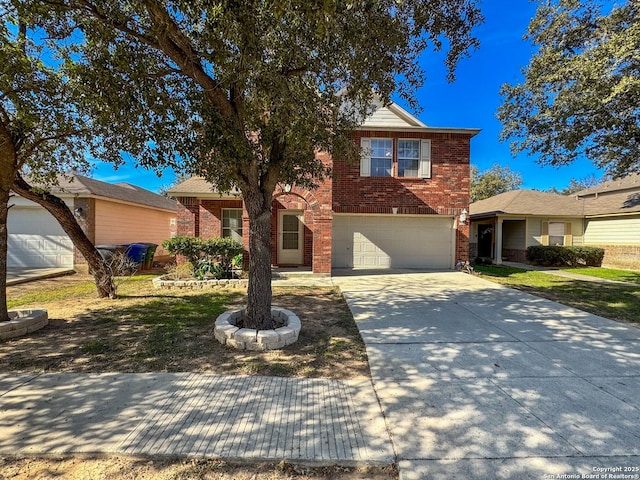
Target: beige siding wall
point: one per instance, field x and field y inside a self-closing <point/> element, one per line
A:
<point x="117" y="223"/>
<point x="613" y="231"/>
<point x="383" y="117"/>
<point x="534" y="227"/>
<point x="513" y="233"/>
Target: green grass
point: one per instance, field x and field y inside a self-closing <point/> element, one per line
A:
<point x="608" y="273"/>
<point x="81" y="290"/>
<point x="617" y="302"/>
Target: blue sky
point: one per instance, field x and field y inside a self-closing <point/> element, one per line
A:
<point x="470" y="102"/>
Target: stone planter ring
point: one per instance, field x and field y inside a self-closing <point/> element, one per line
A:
<point x="227" y="333"/>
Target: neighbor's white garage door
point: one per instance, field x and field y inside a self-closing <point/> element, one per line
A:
<point x="391" y="241"/>
<point x="36" y="240"/>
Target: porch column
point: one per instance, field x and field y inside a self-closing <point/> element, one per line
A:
<point x="498" y="253"/>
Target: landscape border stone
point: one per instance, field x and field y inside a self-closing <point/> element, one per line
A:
<point x="168" y="283"/>
<point x="227" y="333"/>
<point x="23" y="322"/>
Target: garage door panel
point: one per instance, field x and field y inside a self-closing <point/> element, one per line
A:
<point x="392" y="242"/>
<point x="36" y="240"/>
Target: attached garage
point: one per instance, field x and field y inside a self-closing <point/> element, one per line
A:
<point x="36" y="240"/>
<point x="392" y="241"/>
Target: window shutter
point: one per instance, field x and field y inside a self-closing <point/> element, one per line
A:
<point x="544" y="237"/>
<point x="365" y="157"/>
<point x="568" y="238"/>
<point x="425" y="158"/>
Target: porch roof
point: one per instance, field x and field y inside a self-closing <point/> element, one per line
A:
<point x="198" y="187"/>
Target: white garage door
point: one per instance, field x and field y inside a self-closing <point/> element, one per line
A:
<point x="36" y="240"/>
<point x="392" y="241"/>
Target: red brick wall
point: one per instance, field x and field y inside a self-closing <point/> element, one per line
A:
<point x="202" y="218"/>
<point x="445" y="193"/>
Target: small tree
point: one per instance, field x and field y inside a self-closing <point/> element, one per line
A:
<point x="497" y="179"/>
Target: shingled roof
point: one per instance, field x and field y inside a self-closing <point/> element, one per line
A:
<point x="199" y="187"/>
<point x="614" y="197"/>
<point x="85" y="186"/>
<point x="528" y="202"/>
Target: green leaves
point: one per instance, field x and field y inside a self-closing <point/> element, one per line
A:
<point x="581" y="90"/>
<point x="497" y="179"/>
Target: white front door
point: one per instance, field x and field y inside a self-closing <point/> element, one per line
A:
<point x="290" y="237"/>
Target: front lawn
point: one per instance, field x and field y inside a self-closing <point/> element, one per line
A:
<point x="152" y="330"/>
<point x="608" y="273"/>
<point x="617" y="302"/>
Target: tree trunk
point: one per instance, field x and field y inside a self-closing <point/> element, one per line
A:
<point x="258" y="314"/>
<point x="100" y="270"/>
<point x="4" y="211"/>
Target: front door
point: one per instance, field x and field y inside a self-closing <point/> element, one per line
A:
<point x="485" y="240"/>
<point x="290" y="237"/>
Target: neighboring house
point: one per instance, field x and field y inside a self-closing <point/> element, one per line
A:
<point x="607" y="216"/>
<point x="108" y="213"/>
<point x="399" y="207"/>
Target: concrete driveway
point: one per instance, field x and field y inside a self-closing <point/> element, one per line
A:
<point x="478" y="381"/>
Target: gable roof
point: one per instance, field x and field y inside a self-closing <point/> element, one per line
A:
<point x="528" y="202"/>
<point x="394" y="117"/>
<point x="630" y="182"/>
<point x="615" y="197"/>
<point x="85" y="186"/>
<point x="200" y="187"/>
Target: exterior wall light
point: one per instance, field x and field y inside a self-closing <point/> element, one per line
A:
<point x="463" y="216"/>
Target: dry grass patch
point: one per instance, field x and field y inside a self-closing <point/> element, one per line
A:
<point x="150" y="330"/>
<point x="127" y="468"/>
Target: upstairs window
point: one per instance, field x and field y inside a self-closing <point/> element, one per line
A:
<point x="381" y="157"/>
<point x="408" y="158"/>
<point x="402" y="158"/>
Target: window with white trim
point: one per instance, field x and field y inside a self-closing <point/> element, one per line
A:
<point x="381" y="157"/>
<point x="408" y="158"/>
<point x="232" y="223"/>
<point x="402" y="158"/>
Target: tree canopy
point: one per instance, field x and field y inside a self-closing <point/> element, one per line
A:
<point x="581" y="90"/>
<point x="246" y="93"/>
<point x="497" y="179"/>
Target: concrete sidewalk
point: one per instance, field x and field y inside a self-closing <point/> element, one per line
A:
<point x="314" y="421"/>
<point x="16" y="276"/>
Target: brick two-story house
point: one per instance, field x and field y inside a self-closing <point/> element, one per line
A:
<point x="401" y="206"/>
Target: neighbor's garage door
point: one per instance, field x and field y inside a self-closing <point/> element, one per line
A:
<point x="36" y="240"/>
<point x="392" y="241"/>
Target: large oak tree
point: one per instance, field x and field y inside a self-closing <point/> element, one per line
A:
<point x="247" y="92"/>
<point x="581" y="90"/>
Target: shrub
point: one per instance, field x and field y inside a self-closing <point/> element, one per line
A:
<point x="189" y="247"/>
<point x="557" y="256"/>
<point x="212" y="257"/>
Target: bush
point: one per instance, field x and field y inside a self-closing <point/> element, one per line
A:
<point x="210" y="258"/>
<point x="189" y="247"/>
<point x="557" y="256"/>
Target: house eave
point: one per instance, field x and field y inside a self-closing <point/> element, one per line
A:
<point x="205" y="196"/>
<point x="472" y="132"/>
